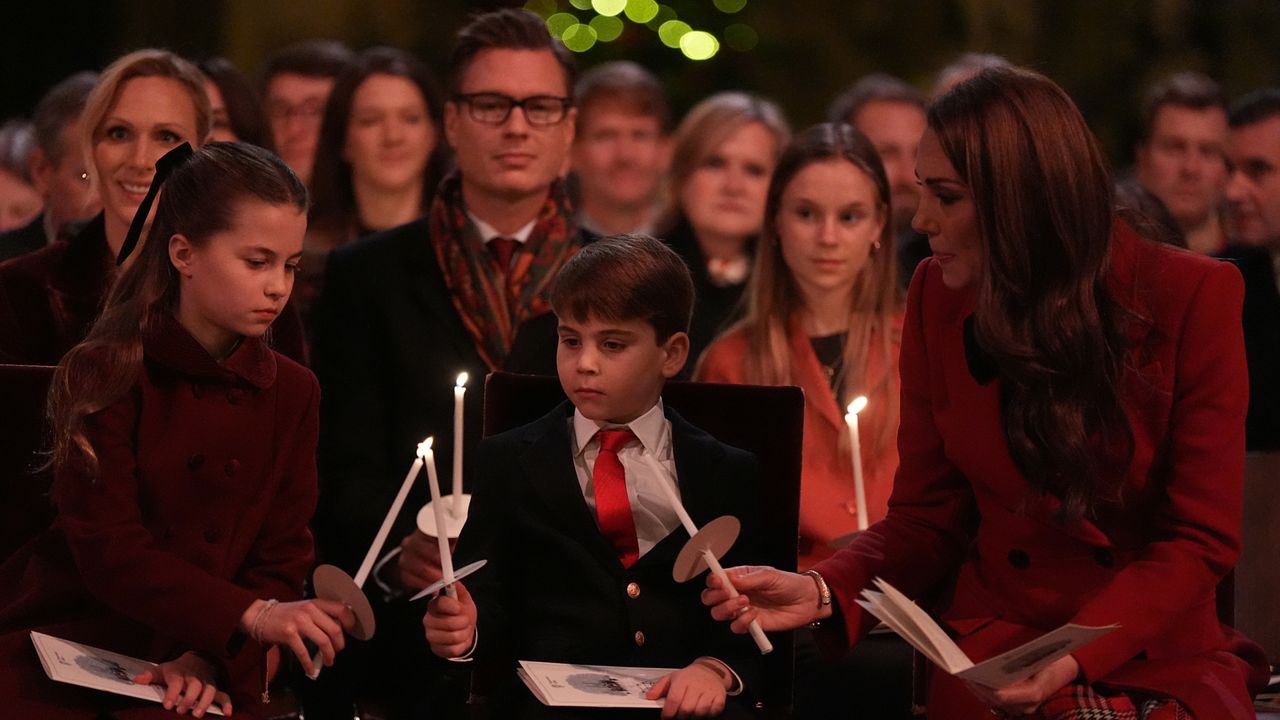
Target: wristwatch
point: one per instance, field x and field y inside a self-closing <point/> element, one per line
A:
<point x="824" y="593"/>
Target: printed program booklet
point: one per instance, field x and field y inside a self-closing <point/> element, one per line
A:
<point x="605" y="686"/>
<point x="70" y="662"/>
<point x="916" y="627"/>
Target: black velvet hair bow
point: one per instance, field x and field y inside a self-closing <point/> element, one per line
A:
<point x="167" y="163"/>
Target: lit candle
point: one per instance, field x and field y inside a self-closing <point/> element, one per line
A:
<point x="367" y="565"/>
<point x="859" y="486"/>
<point x="459" y="390"/>
<point x="442" y="527"/>
<point x="757" y="632"/>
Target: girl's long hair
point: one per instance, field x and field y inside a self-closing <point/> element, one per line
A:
<point x="198" y="200"/>
<point x="772" y="298"/>
<point x="1043" y="195"/>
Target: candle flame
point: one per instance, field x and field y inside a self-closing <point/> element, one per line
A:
<point x="424" y="447"/>
<point x="858" y="405"/>
<point x="462" y="380"/>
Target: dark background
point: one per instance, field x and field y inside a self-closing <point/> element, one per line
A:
<point x="1104" y="52"/>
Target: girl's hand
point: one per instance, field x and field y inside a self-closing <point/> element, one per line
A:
<point x="693" y="691"/>
<point x="189" y="685"/>
<point x="779" y="600"/>
<point x="1025" y="696"/>
<point x="293" y="624"/>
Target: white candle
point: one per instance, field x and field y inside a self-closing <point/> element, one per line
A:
<point x="459" y="391"/>
<point x="859" y="486"/>
<point x="442" y="527"/>
<point x="757" y="632"/>
<point x="371" y="557"/>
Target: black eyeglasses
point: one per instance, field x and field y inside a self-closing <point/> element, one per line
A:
<point x="495" y="108"/>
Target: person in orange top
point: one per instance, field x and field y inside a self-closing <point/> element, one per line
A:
<point x="823" y="312"/>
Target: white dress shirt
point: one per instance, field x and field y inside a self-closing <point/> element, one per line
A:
<point x="489" y="232"/>
<point x="650" y="506"/>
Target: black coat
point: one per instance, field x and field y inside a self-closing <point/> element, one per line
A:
<point x="553" y="589"/>
<point x="388" y="345"/>
<point x="715" y="307"/>
<point x="1262" y="344"/>
<point x="20" y="241"/>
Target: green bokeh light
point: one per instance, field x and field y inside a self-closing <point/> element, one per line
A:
<point x="730" y="6"/>
<point x="581" y="4"/>
<point x="609" y="8"/>
<point x="671" y="31"/>
<point x="699" y="45"/>
<point x="607" y="28"/>
<point x="579" y="38"/>
<point x="664" y="14"/>
<point x="641" y="11"/>
<point x="741" y="37"/>
<point x="558" y="23"/>
<point x="545" y="8"/>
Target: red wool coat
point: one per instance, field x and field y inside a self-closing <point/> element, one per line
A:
<point x="1150" y="564"/>
<point x="828" y="504"/>
<point x="201" y="506"/>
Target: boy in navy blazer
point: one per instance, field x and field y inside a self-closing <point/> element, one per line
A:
<point x="579" y="536"/>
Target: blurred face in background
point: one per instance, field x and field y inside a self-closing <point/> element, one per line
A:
<point x="220" y="121"/>
<point x="895" y="128"/>
<point x="724" y="196"/>
<point x="513" y="158"/>
<point x="150" y="116"/>
<point x="390" y="134"/>
<point x="295" y="107"/>
<point x="64" y="182"/>
<point x="619" y="155"/>
<point x="1253" y="188"/>
<point x="828" y="220"/>
<point x="19" y="201"/>
<point x="1183" y="161"/>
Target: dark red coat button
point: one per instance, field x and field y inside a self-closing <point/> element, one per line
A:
<point x="231" y="468"/>
<point x="1019" y="559"/>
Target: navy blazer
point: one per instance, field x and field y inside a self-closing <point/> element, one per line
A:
<point x="554" y="590"/>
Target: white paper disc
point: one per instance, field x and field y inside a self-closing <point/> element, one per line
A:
<point x="427" y="517"/>
<point x="332" y="583"/>
<point x="717" y="536"/>
<point x="459" y="574"/>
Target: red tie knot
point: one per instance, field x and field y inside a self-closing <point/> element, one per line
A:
<point x="614" y="440"/>
<point x="502" y="249"/>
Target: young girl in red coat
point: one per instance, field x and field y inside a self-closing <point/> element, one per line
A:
<point x="184" y="461"/>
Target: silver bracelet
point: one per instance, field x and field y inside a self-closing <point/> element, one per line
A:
<point x="255" y="631"/>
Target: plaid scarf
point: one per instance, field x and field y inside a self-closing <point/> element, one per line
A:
<point x="1083" y="702"/>
<point x="494" y="301"/>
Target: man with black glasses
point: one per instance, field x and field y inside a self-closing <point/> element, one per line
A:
<point x="403" y="312"/>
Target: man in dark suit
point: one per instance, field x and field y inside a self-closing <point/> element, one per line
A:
<point x="1253" y="199"/>
<point x="571" y="513"/>
<point x="403" y="312"/>
<point x="57" y="168"/>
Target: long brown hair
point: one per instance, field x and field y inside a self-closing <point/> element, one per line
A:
<point x="1043" y="195"/>
<point x="198" y="200"/>
<point x="772" y="298"/>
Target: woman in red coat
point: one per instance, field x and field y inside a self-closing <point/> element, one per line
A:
<point x="184" y="461"/>
<point x="1072" y="432"/>
<point x="823" y="313"/>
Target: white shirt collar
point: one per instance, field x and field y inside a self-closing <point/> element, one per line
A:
<point x="488" y="232"/>
<point x="650" y="428"/>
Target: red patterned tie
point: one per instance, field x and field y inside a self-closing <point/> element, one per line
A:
<point x="613" y="509"/>
<point x="503" y="249"/>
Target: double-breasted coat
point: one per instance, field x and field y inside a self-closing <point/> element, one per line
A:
<point x="207" y="482"/>
<point x="964" y="525"/>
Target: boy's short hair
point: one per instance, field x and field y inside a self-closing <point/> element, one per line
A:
<point x="311" y="58"/>
<point x="627" y="277"/>
<point x="627" y="84"/>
